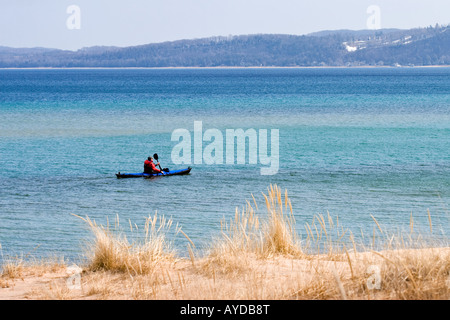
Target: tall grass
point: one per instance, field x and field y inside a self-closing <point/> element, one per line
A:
<point x="111" y="250"/>
<point x="279" y="235"/>
<point x="16" y="267"/>
<point x="246" y="236"/>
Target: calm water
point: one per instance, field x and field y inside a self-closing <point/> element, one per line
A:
<point x="353" y="142"/>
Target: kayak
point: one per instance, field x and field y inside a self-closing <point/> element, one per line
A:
<point x="149" y="175"/>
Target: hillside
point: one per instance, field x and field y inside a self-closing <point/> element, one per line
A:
<point x="419" y="47"/>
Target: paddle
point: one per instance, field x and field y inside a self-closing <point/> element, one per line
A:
<point x="156" y="158"/>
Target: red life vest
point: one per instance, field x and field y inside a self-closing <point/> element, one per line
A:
<point x="149" y="167"/>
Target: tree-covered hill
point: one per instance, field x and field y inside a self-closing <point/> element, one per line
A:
<point x="419" y="47"/>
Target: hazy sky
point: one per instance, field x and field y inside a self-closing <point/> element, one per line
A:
<point x="44" y="23"/>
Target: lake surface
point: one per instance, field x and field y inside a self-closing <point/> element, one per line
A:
<point x="352" y="142"/>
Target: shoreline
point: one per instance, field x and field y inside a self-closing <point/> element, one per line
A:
<point x="254" y="258"/>
<point x="281" y="277"/>
<point x="227" y="67"/>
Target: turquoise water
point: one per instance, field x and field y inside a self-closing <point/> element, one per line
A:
<point x="352" y="142"/>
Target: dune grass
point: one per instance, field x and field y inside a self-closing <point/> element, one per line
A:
<point x="257" y="256"/>
<point x="110" y="250"/>
<point x="18" y="267"/>
<point x="247" y="237"/>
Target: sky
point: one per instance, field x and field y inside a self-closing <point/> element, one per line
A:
<point x="74" y="24"/>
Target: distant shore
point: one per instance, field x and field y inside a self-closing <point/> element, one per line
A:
<point x="230" y="67"/>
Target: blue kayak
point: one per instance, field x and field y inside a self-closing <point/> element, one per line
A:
<point x="149" y="175"/>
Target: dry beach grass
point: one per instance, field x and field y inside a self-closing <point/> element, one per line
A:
<point x="254" y="257"/>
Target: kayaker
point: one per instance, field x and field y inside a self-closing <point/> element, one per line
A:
<point x="150" y="167"/>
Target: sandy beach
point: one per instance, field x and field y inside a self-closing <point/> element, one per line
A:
<point x="254" y="258"/>
<point x="406" y="274"/>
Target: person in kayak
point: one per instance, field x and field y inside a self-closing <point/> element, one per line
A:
<point x="150" y="167"/>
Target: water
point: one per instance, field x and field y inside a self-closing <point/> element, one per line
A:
<point x="353" y="142"/>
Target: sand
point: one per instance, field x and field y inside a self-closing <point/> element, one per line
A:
<point x="393" y="274"/>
